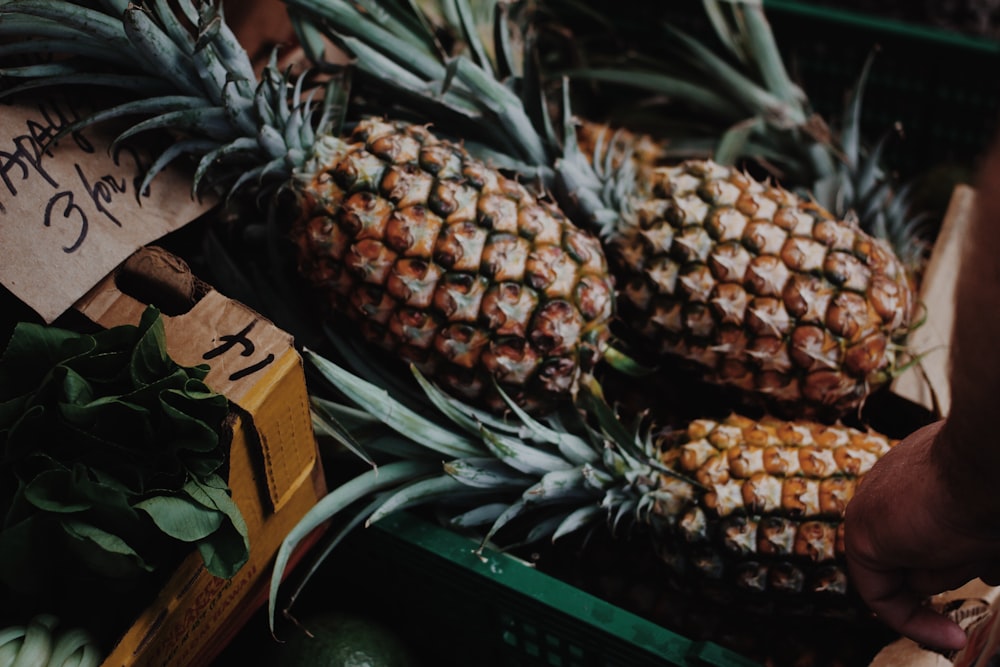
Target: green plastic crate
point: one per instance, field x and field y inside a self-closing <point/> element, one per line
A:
<point x="935" y="83"/>
<point x="493" y="609"/>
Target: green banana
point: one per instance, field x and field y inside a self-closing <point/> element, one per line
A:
<point x="41" y="644"/>
<point x="37" y="644"/>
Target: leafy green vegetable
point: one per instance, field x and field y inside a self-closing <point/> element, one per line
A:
<point x="111" y="461"/>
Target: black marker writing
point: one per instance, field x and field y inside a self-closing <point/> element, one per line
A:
<point x="101" y="191"/>
<point x="229" y="341"/>
<point x="63" y="203"/>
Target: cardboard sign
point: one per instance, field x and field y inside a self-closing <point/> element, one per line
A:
<point x="70" y="213"/>
<point x="930" y="386"/>
<point x="236" y="342"/>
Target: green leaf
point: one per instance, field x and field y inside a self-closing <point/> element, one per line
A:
<point x="545" y="527"/>
<point x="513" y="511"/>
<point x="104" y="491"/>
<point x="471" y="33"/>
<point x="392" y="475"/>
<point x="32" y="351"/>
<point x="418" y="56"/>
<point x="558" y="486"/>
<point x="23" y="436"/>
<point x="424" y="491"/>
<point x="180" y="517"/>
<point x="91" y="23"/>
<point x="445" y="405"/>
<point x="733" y="143"/>
<point x="225" y="551"/>
<point x="310" y="37"/>
<point x="487" y="473"/>
<point x="213" y="493"/>
<point x="574" y="448"/>
<point x="154" y="46"/>
<point x="755" y="99"/>
<point x="228" y="549"/>
<point x="150" y="362"/>
<point x="104" y="421"/>
<point x="579" y="518"/>
<point x="522" y="456"/>
<point x="703" y="97"/>
<point x="106" y="553"/>
<point x="194" y="419"/>
<point x="404" y="420"/>
<point x="367" y="434"/>
<point x="76" y="389"/>
<point x="106" y="417"/>
<point x="10" y="411"/>
<point x="327" y="421"/>
<point x="54" y="491"/>
<point x="483" y="515"/>
<point x="592" y="398"/>
<point x="330" y="543"/>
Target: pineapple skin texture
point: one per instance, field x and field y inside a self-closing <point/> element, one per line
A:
<point x="769" y="516"/>
<point x="449" y="265"/>
<point x="761" y="290"/>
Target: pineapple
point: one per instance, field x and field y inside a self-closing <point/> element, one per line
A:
<point x="747" y="509"/>
<point x="451" y="265"/>
<point x="430" y="252"/>
<point x="764" y="290"/>
<point x="772" y="499"/>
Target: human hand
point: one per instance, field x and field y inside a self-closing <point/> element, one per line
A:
<point x="907" y="538"/>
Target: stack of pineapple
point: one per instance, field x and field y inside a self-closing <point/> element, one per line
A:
<point x="442" y="232"/>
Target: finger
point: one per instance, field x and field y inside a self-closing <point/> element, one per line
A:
<point x="900" y="607"/>
<point x="926" y="626"/>
<point x="904" y="612"/>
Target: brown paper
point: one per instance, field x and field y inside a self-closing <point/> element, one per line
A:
<point x="929" y="380"/>
<point x="236" y="342"/>
<point x="70" y="215"/>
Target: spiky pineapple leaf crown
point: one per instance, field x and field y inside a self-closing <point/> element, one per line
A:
<point x="486" y="87"/>
<point x="574" y="470"/>
<point x="733" y="100"/>
<point x="179" y="67"/>
<point x="491" y="85"/>
<point x="474" y="74"/>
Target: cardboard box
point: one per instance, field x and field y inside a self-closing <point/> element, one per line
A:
<point x="274" y="473"/>
<point x="73" y="210"/>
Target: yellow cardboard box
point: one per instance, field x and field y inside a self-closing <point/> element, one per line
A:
<point x="274" y="472"/>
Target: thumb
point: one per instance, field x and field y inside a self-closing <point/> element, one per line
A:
<point x="889" y="596"/>
<point x="926" y="626"/>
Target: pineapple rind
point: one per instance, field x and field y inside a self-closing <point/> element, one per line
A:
<point x="761" y="289"/>
<point x="451" y="265"/>
<point x="770" y="515"/>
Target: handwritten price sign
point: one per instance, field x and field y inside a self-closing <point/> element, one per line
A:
<point x="71" y="213"/>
